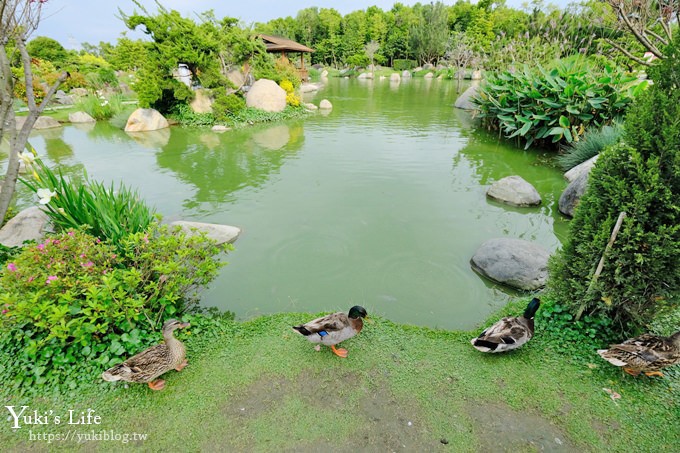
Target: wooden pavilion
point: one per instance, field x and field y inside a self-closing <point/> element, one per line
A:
<point x="277" y="44"/>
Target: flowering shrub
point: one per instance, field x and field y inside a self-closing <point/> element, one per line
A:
<point x="292" y="99"/>
<point x="74" y="298"/>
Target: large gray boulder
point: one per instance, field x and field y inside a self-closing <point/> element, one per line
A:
<point x="143" y="120"/>
<point x="325" y="104"/>
<point x="30" y="224"/>
<point x="80" y="117"/>
<point x="572" y="195"/>
<point x="513" y="262"/>
<point x="220" y="233"/>
<point x="43" y="122"/>
<point x="514" y="190"/>
<point x="464" y="101"/>
<point x="583" y="167"/>
<point x="202" y="102"/>
<point x="266" y="95"/>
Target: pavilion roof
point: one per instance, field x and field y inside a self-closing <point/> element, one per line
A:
<point x="279" y="44"/>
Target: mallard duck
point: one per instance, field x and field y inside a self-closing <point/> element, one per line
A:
<point x="644" y="354"/>
<point x="151" y="363"/>
<point x="508" y="333"/>
<point x="334" y="328"/>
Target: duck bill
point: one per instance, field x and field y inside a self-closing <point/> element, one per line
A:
<point x="182" y="325"/>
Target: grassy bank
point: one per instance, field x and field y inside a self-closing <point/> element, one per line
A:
<point x="258" y="386"/>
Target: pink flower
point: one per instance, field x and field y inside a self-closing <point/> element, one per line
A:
<point x="70" y="233"/>
<point x="113" y="257"/>
<point x="11" y="267"/>
<point x="4" y="311"/>
<point x="30" y="279"/>
<point x="50" y="279"/>
<point x="97" y="240"/>
<point x="88" y="264"/>
<point x="41" y="247"/>
<point x="82" y="255"/>
<point x="146" y="238"/>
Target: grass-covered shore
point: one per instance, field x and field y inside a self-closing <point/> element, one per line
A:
<point x="258" y="386"/>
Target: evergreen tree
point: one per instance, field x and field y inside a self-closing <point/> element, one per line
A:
<point x="641" y="176"/>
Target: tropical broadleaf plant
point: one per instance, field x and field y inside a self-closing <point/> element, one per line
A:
<point x="554" y="106"/>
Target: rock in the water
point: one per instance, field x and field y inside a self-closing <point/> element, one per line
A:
<point x="220" y="233"/>
<point x="514" y="262"/>
<point x="43" y="122"/>
<point x="220" y="128"/>
<point x="464" y="101"/>
<point x="395" y="77"/>
<point x="29" y="224"/>
<point x="80" y="117"/>
<point x="583" y="167"/>
<point x="572" y="194"/>
<point x="325" y="104"/>
<point x="266" y="95"/>
<point x="142" y="120"/>
<point x="309" y="87"/>
<point x="514" y="190"/>
<point x="429" y="75"/>
<point x="310" y="106"/>
<point x="406" y="74"/>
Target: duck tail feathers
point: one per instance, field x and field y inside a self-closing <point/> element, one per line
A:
<point x="302" y="330"/>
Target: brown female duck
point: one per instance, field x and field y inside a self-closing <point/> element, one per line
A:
<point x="334" y="328"/>
<point x="644" y="354"/>
<point x="146" y="366"/>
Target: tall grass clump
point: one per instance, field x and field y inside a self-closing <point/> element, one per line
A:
<point x="100" y="107"/>
<point x="107" y="212"/>
<point x="590" y="145"/>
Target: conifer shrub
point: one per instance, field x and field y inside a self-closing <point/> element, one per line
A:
<point x="641" y="176"/>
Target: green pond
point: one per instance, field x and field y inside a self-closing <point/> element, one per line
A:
<point x="380" y="202"/>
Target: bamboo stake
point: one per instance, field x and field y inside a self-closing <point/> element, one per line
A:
<point x="600" y="265"/>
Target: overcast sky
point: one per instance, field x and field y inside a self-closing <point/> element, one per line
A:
<point x="72" y="22"/>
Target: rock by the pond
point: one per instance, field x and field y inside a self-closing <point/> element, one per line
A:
<point x="429" y="75"/>
<point x="325" y="104"/>
<point x="202" y="102"/>
<point x="514" y="262"/>
<point x="310" y="106"/>
<point x="476" y="75"/>
<point x="266" y="95"/>
<point x="309" y="87"/>
<point x="79" y="92"/>
<point x="514" y="190"/>
<point x="583" y="167"/>
<point x="142" y="120"/>
<point x="62" y="98"/>
<point x="220" y="128"/>
<point x="80" y="117"/>
<point x="572" y="194"/>
<point x="43" y="122"/>
<point x="220" y="233"/>
<point x="324" y="73"/>
<point x="406" y="74"/>
<point x="464" y="101"/>
<point x="29" y="224"/>
<point x="395" y="77"/>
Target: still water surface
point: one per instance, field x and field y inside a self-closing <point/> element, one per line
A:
<point x="380" y="203"/>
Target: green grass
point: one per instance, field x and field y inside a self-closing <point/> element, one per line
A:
<point x="258" y="386"/>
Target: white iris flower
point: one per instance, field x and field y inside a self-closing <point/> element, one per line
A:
<point x="45" y="195"/>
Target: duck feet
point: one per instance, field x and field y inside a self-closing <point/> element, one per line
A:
<point x="181" y="366"/>
<point x="340" y="352"/>
<point x="631" y="371"/>
<point x="654" y="373"/>
<point x="158" y="384"/>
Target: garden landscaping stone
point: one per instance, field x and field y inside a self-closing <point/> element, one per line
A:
<point x="220" y="233"/>
<point x="266" y="95"/>
<point x="142" y="120"/>
<point x="572" y="194"/>
<point x="30" y="224"/>
<point x="514" y="190"/>
<point x="513" y="262"/>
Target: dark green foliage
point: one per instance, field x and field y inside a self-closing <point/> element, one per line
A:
<point x="403" y="65"/>
<point x="590" y="145"/>
<point x="227" y="105"/>
<point x="556" y="105"/>
<point x="47" y="49"/>
<point x="187" y="117"/>
<point x="640" y="176"/>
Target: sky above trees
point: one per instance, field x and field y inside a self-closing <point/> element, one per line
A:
<point x="72" y="22"/>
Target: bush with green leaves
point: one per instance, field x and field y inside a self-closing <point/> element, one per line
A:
<point x="556" y="105"/>
<point x="403" y="65"/>
<point x="227" y="105"/>
<point x="640" y="176"/>
<point x="76" y="301"/>
<point x="590" y="145"/>
<point x="186" y="116"/>
<point x="106" y="212"/>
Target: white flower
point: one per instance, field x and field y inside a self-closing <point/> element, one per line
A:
<point x="27" y="157"/>
<point x="45" y="195"/>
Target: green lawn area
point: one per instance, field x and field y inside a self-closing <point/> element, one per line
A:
<point x="259" y="386"/>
